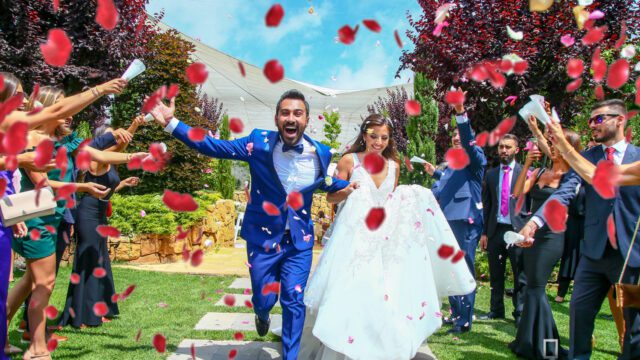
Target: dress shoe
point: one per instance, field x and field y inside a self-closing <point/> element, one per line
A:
<point x="458" y="330"/>
<point x="262" y="327"/>
<point x="509" y="292"/>
<point x="447" y="321"/>
<point x="491" y="316"/>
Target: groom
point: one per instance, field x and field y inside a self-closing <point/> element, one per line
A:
<point x="279" y="237"/>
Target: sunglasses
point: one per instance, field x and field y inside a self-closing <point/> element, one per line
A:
<point x="599" y="119"/>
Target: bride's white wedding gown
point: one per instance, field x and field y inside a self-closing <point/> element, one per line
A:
<point x="376" y="294"/>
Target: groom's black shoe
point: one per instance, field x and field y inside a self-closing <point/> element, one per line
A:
<point x="448" y="321"/>
<point x="459" y="329"/>
<point x="262" y="327"/>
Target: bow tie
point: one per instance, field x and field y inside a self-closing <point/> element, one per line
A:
<point x="297" y="148"/>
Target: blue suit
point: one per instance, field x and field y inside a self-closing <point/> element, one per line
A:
<point x="600" y="264"/>
<point x="275" y="255"/>
<point x="459" y="193"/>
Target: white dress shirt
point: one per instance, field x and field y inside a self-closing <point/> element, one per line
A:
<point x="504" y="219"/>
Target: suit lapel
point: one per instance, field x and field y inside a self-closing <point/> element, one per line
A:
<point x="516" y="172"/>
<point x="629" y="154"/>
<point x="273" y="141"/>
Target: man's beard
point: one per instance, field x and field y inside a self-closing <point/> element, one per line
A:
<point x="508" y="160"/>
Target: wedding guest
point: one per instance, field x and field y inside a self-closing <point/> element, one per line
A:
<point x="500" y="216"/>
<point x="39" y="278"/>
<point x="601" y="260"/>
<point x="537" y="326"/>
<point x="459" y="195"/>
<point x="92" y="250"/>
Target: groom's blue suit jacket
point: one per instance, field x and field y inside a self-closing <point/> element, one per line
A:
<point x="258" y="227"/>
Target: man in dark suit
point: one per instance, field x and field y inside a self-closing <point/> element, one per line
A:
<point x="601" y="263"/>
<point x="459" y="195"/>
<point x="499" y="217"/>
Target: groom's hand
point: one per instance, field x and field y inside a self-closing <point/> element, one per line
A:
<point x="349" y="189"/>
<point x="163" y="113"/>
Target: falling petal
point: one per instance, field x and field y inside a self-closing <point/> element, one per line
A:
<point x="375" y="218"/>
<point x="238" y="336"/>
<point x="374" y="163"/>
<point x="598" y="66"/>
<point x="457" y="158"/>
<point x="412" y="108"/>
<point x="605" y="179"/>
<point x="596" y="15"/>
<point x="100" y="309"/>
<point x="273" y="71"/>
<point x="398" y="39"/>
<point x="458" y="256"/>
<point x="229" y="300"/>
<point x="197" y="73"/>
<point x="455" y="97"/>
<point x="51" y="312"/>
<point x="567" y="40"/>
<point x="628" y="52"/>
<point x="629" y="135"/>
<point x="197" y="134"/>
<point x="179" y="202"/>
<point x="295" y="200"/>
<point x="241" y="67"/>
<point x="99" y="272"/>
<point x="481" y="139"/>
<point x="107" y="15"/>
<point x="107" y="231"/>
<point x="594" y="35"/>
<point x="160" y="343"/>
<point x="623" y="36"/>
<point x="15" y="139"/>
<point x="44" y="152"/>
<point x="611" y="231"/>
<point x="618" y="74"/>
<point x="581" y="15"/>
<point x="445" y="251"/>
<point x="235" y="125"/>
<point x="274" y="15"/>
<point x="57" y="50"/>
<point x="52" y="345"/>
<point x="555" y="213"/>
<point x="438" y="30"/>
<point x="270" y="209"/>
<point x="514" y="35"/>
<point x="575" y="68"/>
<point x="599" y="92"/>
<point x="196" y="258"/>
<point x="574" y="85"/>
<point x="442" y="13"/>
<point x="347" y="35"/>
<point x="372" y="25"/>
<point x="271" y="288"/>
<point x="232" y="354"/>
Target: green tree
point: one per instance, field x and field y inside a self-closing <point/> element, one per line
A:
<point x="225" y="183"/>
<point x="168" y="58"/>
<point x="421" y="132"/>
<point x="332" y="130"/>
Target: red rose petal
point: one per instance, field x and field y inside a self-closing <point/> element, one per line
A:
<point x="100" y="308"/>
<point x="83" y="160"/>
<point x="445" y="251"/>
<point x="295" y="200"/>
<point x="505" y="126"/>
<point x="556" y="215"/>
<point x="599" y="93"/>
<point x="408" y="164"/>
<point x="455" y="97"/>
<point x="181" y="234"/>
<point x="56" y="7"/>
<point x="57" y="50"/>
<point x="138" y="335"/>
<point x="193" y="351"/>
<point x="3" y="187"/>
<point x="574" y="85"/>
<point x="598" y="66"/>
<point x="623" y="36"/>
<point x="575" y="68"/>
<point x="173" y="91"/>
<point x="44" y="152"/>
<point x="179" y="202"/>
<point x="34" y="234"/>
<point x="196" y="258"/>
<point x="197" y="73"/>
<point x="505" y="65"/>
<point x="232" y="354"/>
<point x="520" y="67"/>
<point x="74" y="278"/>
<point x="128" y="291"/>
<point x="107" y="15"/>
<point x="375" y="218"/>
<point x="197" y="134"/>
<point x="457" y="158"/>
<point x="372" y="25"/>
<point x="248" y="304"/>
<point x="594" y="35"/>
<point x="115" y="298"/>
<point x="629" y="135"/>
<point x="99" y="272"/>
<point x="481" y="139"/>
<point x="10" y="105"/>
<point x="107" y="231"/>
<point x="272" y="287"/>
<point x="51" y="312"/>
<point x="185" y="253"/>
<point x="347" y="35"/>
<point x="273" y="71"/>
<point x="458" y="256"/>
<point x="412" y="108"/>
<point x="160" y="343"/>
<point x="398" y="40"/>
<point x="151" y="102"/>
<point x="637" y="100"/>
<point x="374" y="163"/>
<point x="236" y="125"/>
<point x="274" y="15"/>
<point x="135" y="163"/>
<point x="605" y="179"/>
<point x="519" y="203"/>
<point x="15" y="139"/>
<point x="618" y="74"/>
<point x="52" y="345"/>
<point x="238" y="336"/>
<point x="241" y="67"/>
<point x="611" y="232"/>
<point x="270" y="209"/>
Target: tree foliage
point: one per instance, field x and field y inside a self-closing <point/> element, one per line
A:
<point x="421" y="132"/>
<point x="166" y="61"/>
<point x="392" y="107"/>
<point x="477" y="31"/>
<point x="212" y="110"/>
<point x="98" y="55"/>
<point x="225" y="183"/>
<point x="332" y="130"/>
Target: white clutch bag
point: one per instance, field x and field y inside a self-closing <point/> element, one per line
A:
<point x="22" y="206"/>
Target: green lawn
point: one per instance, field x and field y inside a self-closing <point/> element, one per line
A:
<point x="189" y="297"/>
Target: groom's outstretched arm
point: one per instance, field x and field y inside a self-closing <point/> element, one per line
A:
<point x="220" y="149"/>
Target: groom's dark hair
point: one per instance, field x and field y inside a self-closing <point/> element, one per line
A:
<point x="292" y="94"/>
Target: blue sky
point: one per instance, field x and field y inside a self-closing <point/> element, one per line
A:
<point x="304" y="43"/>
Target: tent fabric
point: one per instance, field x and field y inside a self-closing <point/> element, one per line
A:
<point x="253" y="98"/>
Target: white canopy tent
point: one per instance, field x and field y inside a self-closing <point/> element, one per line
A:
<point x="253" y="98"/>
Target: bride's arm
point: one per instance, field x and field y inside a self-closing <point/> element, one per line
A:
<point x="397" y="174"/>
<point x="343" y="171"/>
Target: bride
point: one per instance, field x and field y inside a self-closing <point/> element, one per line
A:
<point x="376" y="294"/>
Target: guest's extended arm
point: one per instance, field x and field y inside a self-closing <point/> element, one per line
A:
<point x="343" y="171"/>
<point x="524" y="183"/>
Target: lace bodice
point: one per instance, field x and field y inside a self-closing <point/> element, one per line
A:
<point x="360" y="175"/>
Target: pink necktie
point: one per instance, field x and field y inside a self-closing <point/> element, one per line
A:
<point x="506" y="191"/>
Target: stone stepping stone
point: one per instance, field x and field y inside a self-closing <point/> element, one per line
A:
<point x="240" y="299"/>
<point x="241" y="283"/>
<point x="248" y="350"/>
<point x="234" y="321"/>
<point x="219" y="350"/>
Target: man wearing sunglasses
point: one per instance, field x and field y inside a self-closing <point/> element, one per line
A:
<point x="602" y="259"/>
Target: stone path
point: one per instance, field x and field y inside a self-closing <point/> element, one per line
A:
<point x="246" y="350"/>
<point x="240" y="300"/>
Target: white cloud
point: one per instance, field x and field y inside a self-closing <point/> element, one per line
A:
<point x="369" y="67"/>
<point x="302" y="59"/>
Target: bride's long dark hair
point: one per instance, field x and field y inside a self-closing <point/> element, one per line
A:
<point x="391" y="152"/>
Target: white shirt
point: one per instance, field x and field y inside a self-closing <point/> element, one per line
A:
<point x="504" y="219"/>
